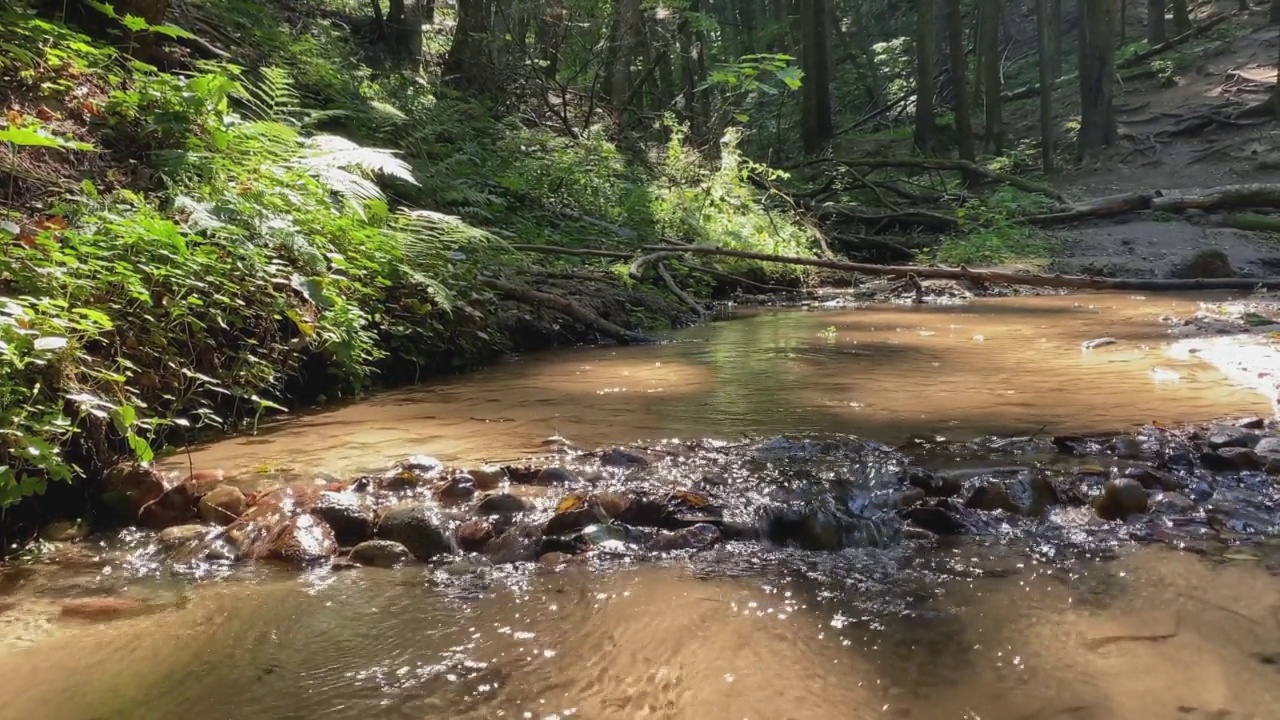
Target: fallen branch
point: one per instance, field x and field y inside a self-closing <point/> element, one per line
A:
<point x="556" y="250"/>
<point x="565" y="307"/>
<point x="676" y="290"/>
<point x="923" y="219"/>
<point x="996" y="277"/>
<point x="728" y="277"/>
<point x="1226" y="197"/>
<point x="636" y="271"/>
<point x="963" y="166"/>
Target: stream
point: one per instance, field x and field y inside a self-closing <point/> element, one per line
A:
<point x="1004" y="597"/>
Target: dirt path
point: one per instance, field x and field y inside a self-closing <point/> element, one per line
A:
<point x="1242" y="69"/>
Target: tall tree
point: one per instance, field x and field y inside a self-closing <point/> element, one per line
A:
<point x="989" y="61"/>
<point x="1097" y="74"/>
<point x="960" y="79"/>
<point x="926" y="50"/>
<point x="1155" y="22"/>
<point x="466" y="66"/>
<point x="817" y="129"/>
<point x="1047" y="133"/>
<point x="1055" y="37"/>
<point x="1181" y="16"/>
<point x="1274" y="15"/>
<point x="623" y="40"/>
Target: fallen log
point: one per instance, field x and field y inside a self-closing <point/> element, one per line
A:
<point x="1226" y="197"/>
<point x="997" y="277"/>
<point x="1164" y="47"/>
<point x="636" y="271"/>
<point x="741" y="281"/>
<point x="679" y="292"/>
<point x="1098" y="208"/>
<point x="568" y="308"/>
<point x="910" y="219"/>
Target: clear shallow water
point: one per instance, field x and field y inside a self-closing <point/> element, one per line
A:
<point x="985" y="627"/>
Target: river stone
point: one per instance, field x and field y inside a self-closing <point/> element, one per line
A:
<point x="1268" y="448"/>
<point x="222" y="505"/>
<point x="622" y="457"/>
<point x="178" y="535"/>
<point x="417" y="527"/>
<point x="424" y="465"/>
<point x="695" y="537"/>
<point x="520" y="543"/>
<point x="808" y="528"/>
<point x="1172" y="503"/>
<point x="501" y="503"/>
<point x="380" y="553"/>
<point x="133" y="485"/>
<point x="303" y="540"/>
<point x="936" y="517"/>
<point x="1224" y="436"/>
<point x="1153" y="479"/>
<point x="347" y="513"/>
<point x="474" y="535"/>
<point x="909" y="497"/>
<point x="1205" y="263"/>
<point x="457" y="488"/>
<point x="176" y="506"/>
<point x="934" y="484"/>
<point x="102" y="608"/>
<point x="488" y="477"/>
<point x="1121" y="498"/>
<point x="1233" y="458"/>
<point x="991" y="495"/>
<point x="65" y="531"/>
<point x="556" y="476"/>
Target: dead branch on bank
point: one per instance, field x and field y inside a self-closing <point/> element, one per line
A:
<point x="677" y="291"/>
<point x="566" y="307"/>
<point x="996" y="277"/>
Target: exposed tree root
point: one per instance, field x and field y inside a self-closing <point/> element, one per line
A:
<point x="962" y="166"/>
<point x="997" y="277"/>
<point x="566" y="307"/>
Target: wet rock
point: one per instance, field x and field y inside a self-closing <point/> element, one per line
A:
<point x="552" y="559"/>
<point x="128" y="487"/>
<point x="418" y="528"/>
<point x="176" y="506"/>
<point x="102" y="608"/>
<point x="739" y="530"/>
<point x="1199" y="491"/>
<point x="936" y="517"/>
<point x="1153" y="479"/>
<point x="556" y="476"/>
<point x="423" y="465"/>
<point x="303" y="540"/>
<point x="1121" y="498"/>
<point x="380" y="553"/>
<point x="908" y="498"/>
<point x="520" y="543"/>
<point x="349" y="515"/>
<point x="1097" y="343"/>
<point x="809" y="529"/>
<point x="990" y="496"/>
<point x="1206" y="263"/>
<point x="935" y="484"/>
<point x="474" y="535"/>
<point x="488" y="477"/>
<point x="622" y="457"/>
<point x="1253" y="423"/>
<point x="501" y="504"/>
<point x="1171" y="503"/>
<point x="695" y="537"/>
<point x="457" y="489"/>
<point x="65" y="531"/>
<point x="222" y="505"/>
<point x="1268" y="448"/>
<point x="1230" y="436"/>
<point x="179" y="535"/>
<point x="1127" y="447"/>
<point x="1233" y="458"/>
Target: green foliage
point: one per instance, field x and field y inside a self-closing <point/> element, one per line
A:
<point x="990" y="233"/>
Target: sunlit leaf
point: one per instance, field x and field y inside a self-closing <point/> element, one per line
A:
<point x="50" y="343"/>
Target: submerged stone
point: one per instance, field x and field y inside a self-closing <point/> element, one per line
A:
<point x="303" y="540"/>
<point x="1231" y="436"/>
<point x="1121" y="498"/>
<point x="380" y="553"/>
<point x="349" y="515"/>
<point x="222" y="505"/>
<point x="417" y="527"/>
<point x="501" y="503"/>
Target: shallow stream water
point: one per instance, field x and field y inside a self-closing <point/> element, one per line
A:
<point x="1073" y="623"/>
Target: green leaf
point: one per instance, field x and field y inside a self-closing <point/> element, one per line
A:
<point x="134" y="23"/>
<point x="50" y="343"/>
<point x="741" y="117"/>
<point x="103" y="8"/>
<point x="792" y="76"/>
<point x="26" y="137"/>
<point x="141" y="450"/>
<point x="124" y="417"/>
<point x="172" y="31"/>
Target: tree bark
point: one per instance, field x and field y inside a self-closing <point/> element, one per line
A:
<point x="1274" y="15"/>
<point x="926" y="133"/>
<point x="1047" y="134"/>
<point x="1055" y="38"/>
<point x="1181" y="17"/>
<point x="960" y="80"/>
<point x="688" y="76"/>
<point x="1097" y="75"/>
<point x="1155" y="22"/>
<point x="817" y="129"/>
<point x="624" y="42"/>
<point x="989" y="44"/>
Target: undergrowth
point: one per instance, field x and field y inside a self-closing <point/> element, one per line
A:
<point x="181" y="252"/>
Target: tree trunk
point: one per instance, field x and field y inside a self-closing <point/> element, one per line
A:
<point x="626" y="33"/>
<point x="428" y="12"/>
<point x="746" y="14"/>
<point x="926" y="49"/>
<point x="689" y="76"/>
<point x="959" y="79"/>
<point x="1097" y="75"/>
<point x="817" y="130"/>
<point x="989" y="45"/>
<point x="1123" y="23"/>
<point x="1047" y="134"/>
<point x="1181" y="17"/>
<point x="1055" y="38"/>
<point x="1274" y="15"/>
<point x="780" y="35"/>
<point x="1155" y="22"/>
<point x="467" y="67"/>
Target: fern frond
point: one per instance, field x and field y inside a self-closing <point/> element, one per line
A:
<point x="270" y="96"/>
<point x="323" y="153"/>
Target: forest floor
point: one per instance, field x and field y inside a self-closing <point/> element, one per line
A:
<point x="1241" y="69"/>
